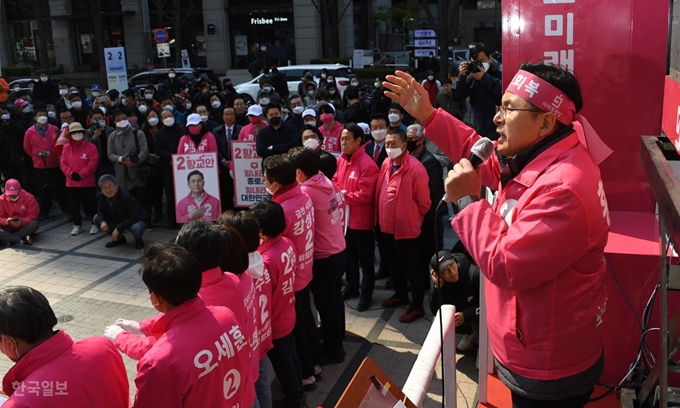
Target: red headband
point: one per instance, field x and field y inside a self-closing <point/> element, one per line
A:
<point x="548" y="98"/>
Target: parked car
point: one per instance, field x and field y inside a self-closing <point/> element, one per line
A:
<point x="293" y="73"/>
<point x="23" y="83"/>
<point x="157" y="76"/>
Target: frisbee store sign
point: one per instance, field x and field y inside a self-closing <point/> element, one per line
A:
<point x="268" y="20"/>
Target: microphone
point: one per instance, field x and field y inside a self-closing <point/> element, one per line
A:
<point x="480" y="152"/>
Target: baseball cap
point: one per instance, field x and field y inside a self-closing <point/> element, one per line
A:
<point x="262" y="91"/>
<point x="322" y="103"/>
<point x="308" y="112"/>
<point x="444" y="258"/>
<point x="194" y="119"/>
<point x="254" y="110"/>
<point x="96" y="87"/>
<point x="365" y="128"/>
<point x="12" y="186"/>
<point x="20" y="103"/>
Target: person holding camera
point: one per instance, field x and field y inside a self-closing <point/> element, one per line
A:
<point x="18" y="215"/>
<point x="480" y="79"/>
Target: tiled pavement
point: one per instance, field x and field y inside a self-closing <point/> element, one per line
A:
<point x="90" y="286"/>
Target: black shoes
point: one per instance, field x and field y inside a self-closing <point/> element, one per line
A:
<point x="349" y="293"/>
<point x="363" y="305"/>
<point x="121" y="241"/>
<point x="139" y="244"/>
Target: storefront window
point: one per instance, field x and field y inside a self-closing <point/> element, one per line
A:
<point x="23" y="31"/>
<point x="265" y="35"/>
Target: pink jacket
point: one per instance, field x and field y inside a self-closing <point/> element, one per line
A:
<point x="252" y="306"/>
<point x="79" y="157"/>
<point x="25" y="207"/>
<point x="35" y="143"/>
<point x="329" y="214"/>
<point x="299" y="213"/>
<point x="248" y="132"/>
<point x="403" y="198"/>
<point x="358" y="176"/>
<point x="541" y="248"/>
<point x="61" y="373"/>
<point x="278" y="255"/>
<point x="187" y="146"/>
<point x="188" y="204"/>
<point x="331" y="140"/>
<point x="200" y="360"/>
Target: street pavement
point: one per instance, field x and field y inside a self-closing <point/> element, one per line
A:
<point x="90" y="286"/>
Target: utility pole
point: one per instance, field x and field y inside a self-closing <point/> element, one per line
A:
<point x="146" y="28"/>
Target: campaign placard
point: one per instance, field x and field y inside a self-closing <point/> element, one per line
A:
<point x="248" y="176"/>
<point x="197" y="187"/>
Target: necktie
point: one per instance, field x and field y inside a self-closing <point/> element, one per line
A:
<point x="376" y="152"/>
<point x="229" y="134"/>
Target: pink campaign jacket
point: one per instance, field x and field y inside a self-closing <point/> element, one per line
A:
<point x="358" y="176"/>
<point x="278" y="255"/>
<point x="299" y="212"/>
<point x="79" y="157"/>
<point x="403" y="198"/>
<point x="541" y="249"/>
<point x="25" y="207"/>
<point x="34" y="143"/>
<point x="188" y="204"/>
<point x="329" y="213"/>
<point x="61" y="373"/>
<point x="331" y="140"/>
<point x="200" y="360"/>
<point x="207" y="144"/>
<point x="248" y="132"/>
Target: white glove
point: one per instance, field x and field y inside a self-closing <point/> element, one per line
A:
<point x="129" y="325"/>
<point x="111" y="332"/>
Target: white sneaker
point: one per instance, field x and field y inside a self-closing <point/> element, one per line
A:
<point x="94" y="230"/>
<point x="77" y="229"/>
<point x="467" y="342"/>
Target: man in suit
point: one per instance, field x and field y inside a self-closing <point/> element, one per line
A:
<point x="376" y="150"/>
<point x="224" y="134"/>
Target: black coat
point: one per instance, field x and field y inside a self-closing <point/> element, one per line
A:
<point x="165" y="144"/>
<point x="224" y="150"/>
<point x="436" y="182"/>
<point x="12" y="142"/>
<point x="122" y="210"/>
<point x="47" y="92"/>
<point x="464" y="294"/>
<point x="280" y="84"/>
<point x="354" y="114"/>
<point x="281" y="140"/>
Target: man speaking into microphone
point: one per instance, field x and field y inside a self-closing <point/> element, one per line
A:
<point x="540" y="245"/>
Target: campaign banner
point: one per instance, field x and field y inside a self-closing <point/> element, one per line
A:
<point x="197" y="187"/>
<point x="116" y="69"/>
<point x="248" y="176"/>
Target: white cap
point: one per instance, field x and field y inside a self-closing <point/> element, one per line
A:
<point x="194" y="119"/>
<point x="254" y="110"/>
<point x="365" y="128"/>
<point x="322" y="103"/>
<point x="308" y="112"/>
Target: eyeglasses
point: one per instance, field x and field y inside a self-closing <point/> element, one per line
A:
<point x="504" y="110"/>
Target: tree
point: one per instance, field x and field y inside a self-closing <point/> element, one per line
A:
<point x="394" y="18"/>
<point x="327" y="9"/>
<point x="448" y="9"/>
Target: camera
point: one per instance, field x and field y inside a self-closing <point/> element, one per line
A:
<point x="43" y="153"/>
<point x="134" y="157"/>
<point x="474" y="67"/>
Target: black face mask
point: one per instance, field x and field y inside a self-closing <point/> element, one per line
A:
<point x="411" y="145"/>
<point x="275" y="121"/>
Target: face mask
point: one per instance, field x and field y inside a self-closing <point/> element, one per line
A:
<point x="379" y="135"/>
<point x="393" y="152"/>
<point x="52" y="114"/>
<point x="311" y="123"/>
<point x="171" y="75"/>
<point x="42" y="119"/>
<point x="393" y="117"/>
<point x="275" y="121"/>
<point x="412" y="145"/>
<point x="326" y="118"/>
<point x="122" y="124"/>
<point x="169" y="122"/>
<point x="216" y="104"/>
<point x="270" y="191"/>
<point x="254" y="120"/>
<point x="195" y="130"/>
<point x="204" y="118"/>
<point x="376" y="84"/>
<point x="298" y="110"/>
<point x="311" y="93"/>
<point x="152" y="121"/>
<point x="264" y="101"/>
<point x="124" y="102"/>
<point x="142" y="108"/>
<point x="16" y="197"/>
<point x="430" y="78"/>
<point x="77" y="136"/>
<point x="27" y="109"/>
<point x="486" y="66"/>
<point x="148" y="97"/>
<point x="323" y="76"/>
<point x="311" y="143"/>
<point x="354" y="83"/>
<point x="96" y="93"/>
<point x="168" y="108"/>
<point x="188" y="106"/>
<point x="77" y="104"/>
<point x="5" y="116"/>
<point x="63" y="92"/>
<point x="330" y="81"/>
<point x="331" y="92"/>
<point x="267" y="88"/>
<point x="102" y="123"/>
<point x="43" y="78"/>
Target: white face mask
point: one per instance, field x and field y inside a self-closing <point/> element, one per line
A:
<point x="42" y="119"/>
<point x="27" y="109"/>
<point x="393" y="152"/>
<point x="267" y="88"/>
<point x="354" y="84"/>
<point x="188" y="106"/>
<point x="77" y="104"/>
<point x="171" y="75"/>
<point x="311" y="143"/>
<point x="123" y="124"/>
<point x="486" y="66"/>
<point x="379" y="135"/>
<point x="152" y="121"/>
<point x="52" y="114"/>
<point x="142" y="108"/>
<point x="269" y="191"/>
<point x="216" y="104"/>
<point x="102" y="123"/>
<point x="96" y="93"/>
<point x="393" y="117"/>
<point x="204" y="118"/>
<point x="264" y="101"/>
<point x="331" y="92"/>
<point x="77" y="136"/>
<point x="63" y="92"/>
<point x="376" y="84"/>
<point x="43" y="78"/>
<point x="148" y="97"/>
<point x="169" y="121"/>
<point x="5" y="116"/>
<point x="298" y="110"/>
<point x="311" y="123"/>
<point x="430" y="78"/>
<point x="168" y="108"/>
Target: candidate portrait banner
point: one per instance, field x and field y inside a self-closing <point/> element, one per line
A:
<point x="197" y="187"/>
<point x="248" y="176"/>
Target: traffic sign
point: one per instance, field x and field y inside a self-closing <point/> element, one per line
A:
<point x="419" y="42"/>
<point x="424" y="34"/>
<point x="160" y="35"/>
<point x="422" y="53"/>
<point x="163" y="50"/>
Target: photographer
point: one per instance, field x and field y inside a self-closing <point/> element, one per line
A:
<point x="480" y="79"/>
